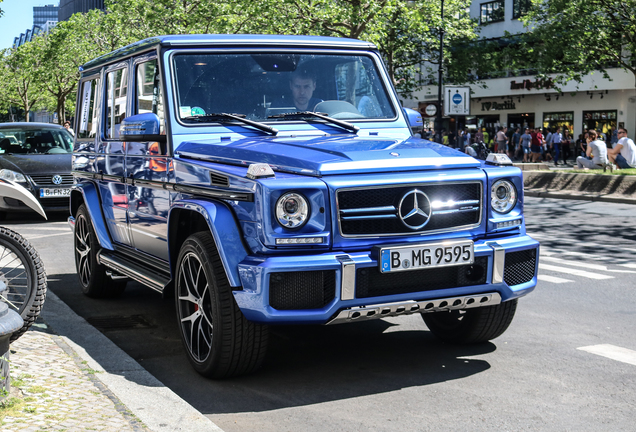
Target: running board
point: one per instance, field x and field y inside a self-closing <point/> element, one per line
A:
<point x="133" y="270"/>
<point x="363" y="313"/>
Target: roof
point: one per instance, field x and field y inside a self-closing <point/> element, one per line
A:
<point x="30" y="125"/>
<point x="225" y="40"/>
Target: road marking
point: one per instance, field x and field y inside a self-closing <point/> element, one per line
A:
<point x="553" y="279"/>
<point x="629" y="265"/>
<point x="575" y="272"/>
<point x="612" y="352"/>
<point x="32" y="237"/>
<point x="574" y="263"/>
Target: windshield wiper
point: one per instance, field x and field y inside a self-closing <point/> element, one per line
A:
<point x="323" y="116"/>
<point x="234" y="117"/>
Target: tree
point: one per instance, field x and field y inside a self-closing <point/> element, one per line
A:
<point x="592" y="35"/>
<point x="18" y="78"/>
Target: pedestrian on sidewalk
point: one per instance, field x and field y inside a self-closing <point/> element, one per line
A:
<point x="565" y="144"/>
<point x="536" y="145"/>
<point x="596" y="150"/>
<point x="624" y="152"/>
<point x="556" y="145"/>
<point x="526" y="142"/>
<point x="500" y="146"/>
<point x="516" y="147"/>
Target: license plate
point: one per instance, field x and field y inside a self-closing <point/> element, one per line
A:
<point x="54" y="192"/>
<point x="426" y="255"/>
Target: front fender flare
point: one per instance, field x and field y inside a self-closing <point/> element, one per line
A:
<point x="224" y="229"/>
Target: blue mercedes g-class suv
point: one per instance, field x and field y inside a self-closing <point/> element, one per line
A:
<point x="274" y="180"/>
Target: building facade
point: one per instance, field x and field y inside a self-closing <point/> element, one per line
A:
<point x="44" y="19"/>
<point x="70" y="7"/>
<point x="523" y="101"/>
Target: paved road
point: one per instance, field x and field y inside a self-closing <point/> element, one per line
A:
<point x="568" y="362"/>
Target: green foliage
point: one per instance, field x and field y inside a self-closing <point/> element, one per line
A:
<point x="592" y="35"/>
<point x="45" y="72"/>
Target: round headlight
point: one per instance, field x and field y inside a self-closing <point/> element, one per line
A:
<point x="12" y="176"/>
<point x="503" y="196"/>
<point x="292" y="210"/>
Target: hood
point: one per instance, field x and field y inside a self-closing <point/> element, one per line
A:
<point x="320" y="156"/>
<point x="34" y="164"/>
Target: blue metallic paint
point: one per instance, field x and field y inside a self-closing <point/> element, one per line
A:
<point x="223" y="227"/>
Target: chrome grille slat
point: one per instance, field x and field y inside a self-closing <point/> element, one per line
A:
<point x="363" y="212"/>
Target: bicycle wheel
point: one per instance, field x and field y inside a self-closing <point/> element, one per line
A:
<point x="22" y="271"/>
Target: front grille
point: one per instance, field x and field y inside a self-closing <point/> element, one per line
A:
<point x="302" y="290"/>
<point x="54" y="202"/>
<point x="46" y="180"/>
<point x="519" y="266"/>
<point x="371" y="283"/>
<point x="366" y="212"/>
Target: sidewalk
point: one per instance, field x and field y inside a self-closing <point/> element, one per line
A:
<point x="58" y="392"/>
<point x="549" y="181"/>
<point x="69" y="376"/>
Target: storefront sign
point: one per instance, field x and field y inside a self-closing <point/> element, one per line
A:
<point x="529" y="84"/>
<point x="494" y="106"/>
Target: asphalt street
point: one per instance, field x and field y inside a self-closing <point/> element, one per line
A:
<point x="568" y="361"/>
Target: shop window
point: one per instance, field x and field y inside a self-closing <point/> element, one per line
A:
<point x="492" y="12"/>
<point x="520" y="8"/>
<point x="600" y="121"/>
<point x="116" y="91"/>
<point x="559" y="120"/>
<point x="87" y="127"/>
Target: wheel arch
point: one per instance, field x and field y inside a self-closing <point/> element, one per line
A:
<point x="190" y="216"/>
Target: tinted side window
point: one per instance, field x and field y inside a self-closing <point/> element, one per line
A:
<point x="149" y="97"/>
<point x="116" y="91"/>
<point x="87" y="127"/>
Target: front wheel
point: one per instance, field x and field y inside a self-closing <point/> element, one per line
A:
<point x="22" y="271"/>
<point x="93" y="278"/>
<point x="219" y="340"/>
<point x="471" y="325"/>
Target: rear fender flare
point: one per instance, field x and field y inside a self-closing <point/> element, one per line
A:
<point x="222" y="225"/>
<point x="87" y="193"/>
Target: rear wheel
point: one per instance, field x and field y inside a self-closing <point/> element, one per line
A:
<point x="94" y="280"/>
<point x="219" y="340"/>
<point x="471" y="325"/>
<point x="22" y="271"/>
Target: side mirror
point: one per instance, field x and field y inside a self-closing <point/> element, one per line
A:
<point x="141" y="128"/>
<point x="414" y="118"/>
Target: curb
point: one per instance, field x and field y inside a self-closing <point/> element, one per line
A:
<point x="155" y="405"/>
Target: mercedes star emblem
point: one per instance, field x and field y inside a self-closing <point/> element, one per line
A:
<point x="57" y="179"/>
<point x="414" y="209"/>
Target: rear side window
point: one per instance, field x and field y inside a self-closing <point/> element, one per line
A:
<point x="116" y="91"/>
<point x="87" y="127"/>
<point x="148" y="96"/>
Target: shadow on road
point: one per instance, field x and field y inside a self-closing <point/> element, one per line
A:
<point x="305" y="364"/>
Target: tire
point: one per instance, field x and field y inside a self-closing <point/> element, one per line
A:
<point x="94" y="281"/>
<point x="219" y="340"/>
<point x="471" y="325"/>
<point x="22" y="270"/>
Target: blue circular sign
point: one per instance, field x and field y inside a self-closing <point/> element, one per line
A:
<point x="457" y="98"/>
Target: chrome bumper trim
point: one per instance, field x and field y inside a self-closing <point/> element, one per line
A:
<point x="348" y="282"/>
<point x="363" y="313"/>
<point x="498" y="261"/>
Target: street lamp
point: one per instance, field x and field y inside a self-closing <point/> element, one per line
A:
<point x="440" y="79"/>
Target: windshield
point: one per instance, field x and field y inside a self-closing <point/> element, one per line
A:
<point x="35" y="140"/>
<point x="264" y="86"/>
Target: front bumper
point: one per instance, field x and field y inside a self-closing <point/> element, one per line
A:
<point x="254" y="298"/>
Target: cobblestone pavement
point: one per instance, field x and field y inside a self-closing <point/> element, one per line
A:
<point x="60" y="392"/>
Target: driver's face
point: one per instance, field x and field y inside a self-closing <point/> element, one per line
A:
<point x="302" y="91"/>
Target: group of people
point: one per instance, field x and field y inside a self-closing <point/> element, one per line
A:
<point x="622" y="155"/>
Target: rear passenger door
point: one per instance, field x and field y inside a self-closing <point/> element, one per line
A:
<point x="148" y="164"/>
